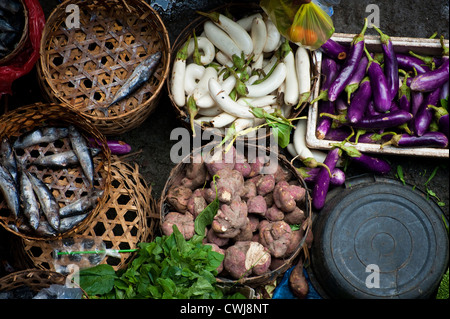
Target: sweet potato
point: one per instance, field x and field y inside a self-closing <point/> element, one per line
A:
<point x="282" y="174"/>
<point x="297" y="282"/>
<point x="296" y="238"/>
<point x="249" y="190"/>
<point x="196" y="203"/>
<point x="297" y="216"/>
<point x="220" y="159"/>
<point x="230" y="219"/>
<point x="245" y="258"/>
<point x="246" y="232"/>
<point x="275" y="236"/>
<point x="178" y="196"/>
<point x="265" y="184"/>
<point x="256" y="166"/>
<point x="257" y="205"/>
<point x="211" y="237"/>
<point x="242" y="166"/>
<point x="274" y="213"/>
<point x="184" y="223"/>
<point x="229" y="184"/>
<point x="286" y="196"/>
<point x="196" y="173"/>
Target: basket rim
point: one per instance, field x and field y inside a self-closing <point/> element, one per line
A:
<point x="41" y="67"/>
<point x="106" y="163"/>
<point x="272" y="274"/>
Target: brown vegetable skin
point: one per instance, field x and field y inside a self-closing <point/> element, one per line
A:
<point x="274" y="214"/>
<point x="256" y="166"/>
<point x="246" y="232"/>
<point x="196" y="173"/>
<point x="249" y="190"/>
<point x="178" y="197"/>
<point x="297" y="282"/>
<point x="296" y="238"/>
<point x="297" y="216"/>
<point x="245" y="258"/>
<point x="211" y="237"/>
<point x="282" y="174"/>
<point x="275" y="236"/>
<point x="242" y="165"/>
<point x="196" y="203"/>
<point x="265" y="185"/>
<point x="257" y="205"/>
<point x="220" y="160"/>
<point x="230" y="219"/>
<point x="229" y="185"/>
<point x="184" y="223"/>
<point x="286" y="196"/>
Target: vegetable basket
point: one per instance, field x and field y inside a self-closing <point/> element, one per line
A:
<point x="237" y="11"/>
<point x="35" y="279"/>
<point x="66" y="184"/>
<point x="83" y="68"/>
<point x="23" y="38"/>
<point x="401" y="45"/>
<point x="127" y="218"/>
<point x="279" y="264"/>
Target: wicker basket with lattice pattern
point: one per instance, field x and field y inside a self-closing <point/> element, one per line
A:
<point x="84" y="67"/>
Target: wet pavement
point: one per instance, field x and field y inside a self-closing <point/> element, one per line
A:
<point x="151" y="141"/>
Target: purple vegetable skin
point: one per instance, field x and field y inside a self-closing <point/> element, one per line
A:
<point x="424" y="115"/>
<point x="350" y="65"/>
<point x="372" y="164"/>
<point x="322" y="184"/>
<point x="410" y="63"/>
<point x="380" y="90"/>
<point x="356" y="78"/>
<point x="404" y="95"/>
<point x="334" y="50"/>
<point x="441" y="115"/>
<point x="390" y="63"/>
<point x="310" y="175"/>
<point x="431" y="80"/>
<point x="429" y="139"/>
<point x="116" y="147"/>
<point x="360" y="101"/>
<point x="386" y="120"/>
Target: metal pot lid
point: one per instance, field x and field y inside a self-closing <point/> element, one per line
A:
<point x="376" y="238"/>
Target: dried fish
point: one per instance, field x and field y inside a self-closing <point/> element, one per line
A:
<point x="7" y="158"/>
<point x="62" y="159"/>
<point x="81" y="205"/>
<point x="81" y="149"/>
<point x="29" y="201"/>
<point x="48" y="202"/>
<point x="140" y="75"/>
<point x="68" y="223"/>
<point x="10" y="6"/>
<point x="6" y="27"/>
<point x="9" y="191"/>
<point x="41" y="135"/>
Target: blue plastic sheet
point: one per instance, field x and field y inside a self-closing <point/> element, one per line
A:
<point x="282" y="291"/>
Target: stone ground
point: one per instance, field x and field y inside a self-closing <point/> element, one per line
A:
<point x="151" y="141"/>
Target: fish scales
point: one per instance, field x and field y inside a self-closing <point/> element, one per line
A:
<point x="41" y="135"/>
<point x="81" y="149"/>
<point x="81" y="205"/>
<point x="29" y="201"/>
<point x="9" y="191"/>
<point x="62" y="159"/>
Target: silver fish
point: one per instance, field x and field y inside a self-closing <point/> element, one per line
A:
<point x="6" y="27"/>
<point x="41" y="135"/>
<point x="62" y="159"/>
<point x="71" y="221"/>
<point x="81" y="205"/>
<point x="140" y="75"/>
<point x="81" y="149"/>
<point x="48" y="203"/>
<point x="7" y="158"/>
<point x="9" y="191"/>
<point x="29" y="201"/>
<point x="10" y="6"/>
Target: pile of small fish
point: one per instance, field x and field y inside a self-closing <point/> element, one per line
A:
<point x="28" y="196"/>
<point x="12" y="23"/>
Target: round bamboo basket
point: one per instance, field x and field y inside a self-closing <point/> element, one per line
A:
<point x="66" y="184"/>
<point x="179" y="172"/>
<point x="34" y="279"/>
<point x="84" y="67"/>
<point x="237" y="10"/>
<point x="127" y="218"/>
<point x="23" y="38"/>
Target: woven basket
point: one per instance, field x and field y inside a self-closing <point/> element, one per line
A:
<point x="84" y="68"/>
<point x="179" y="171"/>
<point x="237" y="10"/>
<point x="68" y="184"/>
<point x="23" y="38"/>
<point x="35" y="279"/>
<point x="127" y="218"/>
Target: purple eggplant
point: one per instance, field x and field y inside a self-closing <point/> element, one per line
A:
<point x="390" y="63"/>
<point x="116" y="147"/>
<point x="380" y="90"/>
<point x="444" y="91"/>
<point x="429" y="139"/>
<point x="356" y="78"/>
<point x="322" y="184"/>
<point x="416" y="101"/>
<point x="310" y="175"/>
<point x="424" y="115"/>
<point x="441" y="115"/>
<point x="334" y="50"/>
<point x="341" y="106"/>
<point x="350" y="65"/>
<point x="410" y="63"/>
<point x="360" y="101"/>
<point x="329" y="71"/>
<point x="370" y="163"/>
<point x="324" y="123"/>
<point x="404" y="95"/>
<point x="386" y="120"/>
<point x="431" y="80"/>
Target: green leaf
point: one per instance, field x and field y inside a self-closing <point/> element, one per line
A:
<point x="206" y="216"/>
<point x="98" y="280"/>
<point x="400" y="174"/>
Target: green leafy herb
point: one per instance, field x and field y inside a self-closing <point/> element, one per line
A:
<point x="206" y="216"/>
<point x="400" y="175"/>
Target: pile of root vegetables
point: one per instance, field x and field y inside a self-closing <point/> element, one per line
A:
<point x="390" y="98"/>
<point x="235" y="65"/>
<point x="261" y="214"/>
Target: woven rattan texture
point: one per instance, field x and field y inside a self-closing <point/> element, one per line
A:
<point x="84" y="67"/>
<point x="67" y="184"/>
<point x="127" y="218"/>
